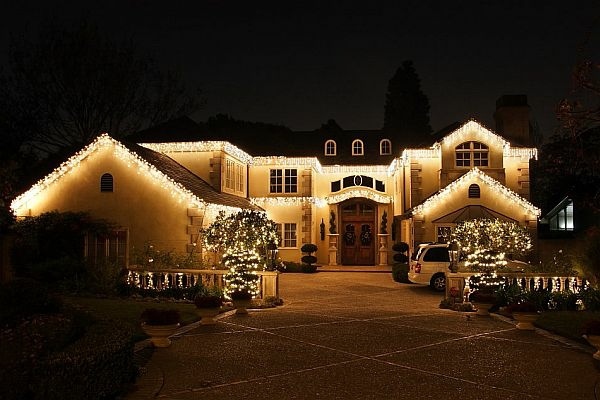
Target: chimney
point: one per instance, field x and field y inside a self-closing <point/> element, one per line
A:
<point x="512" y="119"/>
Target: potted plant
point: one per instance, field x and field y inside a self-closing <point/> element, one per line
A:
<point x="208" y="303"/>
<point x="242" y="300"/>
<point x="591" y="333"/>
<point x="159" y="324"/>
<point x="309" y="259"/>
<point x="483" y="301"/>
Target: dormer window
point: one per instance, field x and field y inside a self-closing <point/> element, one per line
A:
<point x="472" y="154"/>
<point x="385" y="147"/>
<point x="330" y="148"/>
<point x="357" y="148"/>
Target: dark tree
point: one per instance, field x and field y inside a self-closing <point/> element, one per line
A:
<point x="407" y="107"/>
<point x="70" y="85"/>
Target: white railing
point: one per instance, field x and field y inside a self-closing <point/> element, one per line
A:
<point x="527" y="281"/>
<point x="184" y="278"/>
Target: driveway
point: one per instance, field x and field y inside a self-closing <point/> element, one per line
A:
<point x="348" y="335"/>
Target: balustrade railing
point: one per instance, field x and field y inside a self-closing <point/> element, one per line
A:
<point x="527" y="281"/>
<point x="184" y="278"/>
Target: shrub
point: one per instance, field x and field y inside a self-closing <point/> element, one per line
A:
<point x="98" y="366"/>
<point x="309" y="258"/>
<point x="21" y="298"/>
<point x="525" y="307"/>
<point x="509" y="294"/>
<point x="401" y="247"/>
<point x="400" y="272"/>
<point x="157" y="316"/>
<point x="209" y="297"/>
<point x="308" y="268"/>
<point x="291" y="266"/>
<point x="590" y="298"/>
<point x="563" y="301"/>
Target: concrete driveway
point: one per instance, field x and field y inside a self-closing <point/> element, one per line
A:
<point x="348" y="335"/>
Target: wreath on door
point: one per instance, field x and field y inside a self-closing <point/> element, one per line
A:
<point x="365" y="235"/>
<point x="349" y="235"/>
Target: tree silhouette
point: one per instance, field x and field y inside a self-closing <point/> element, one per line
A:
<point x="407" y="107"/>
<point x="71" y="84"/>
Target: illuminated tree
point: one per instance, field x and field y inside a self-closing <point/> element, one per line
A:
<point x="242" y="277"/>
<point x="245" y="230"/>
<point x="493" y="235"/>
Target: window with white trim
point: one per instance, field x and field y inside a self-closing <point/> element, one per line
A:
<point x="472" y="154"/>
<point x="287" y="234"/>
<point x="283" y="181"/>
<point x="239" y="177"/>
<point x="357" y="147"/>
<point x="444" y="233"/>
<point x="563" y="219"/>
<point x="385" y="147"/>
<point x="229" y="174"/>
<point x="330" y="148"/>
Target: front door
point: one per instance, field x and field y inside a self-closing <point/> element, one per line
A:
<point x="358" y="232"/>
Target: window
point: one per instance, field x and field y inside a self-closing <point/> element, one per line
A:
<point x="357" y="148"/>
<point x="287" y="237"/>
<point x="330" y="148"/>
<point x="229" y="174"/>
<point x="106" y="183"/>
<point x="239" y="178"/>
<point x="439" y="254"/>
<point x="283" y="181"/>
<point x="563" y="219"/>
<point x="443" y="234"/>
<point x="474" y="191"/>
<point x="110" y="248"/>
<point x="385" y="147"/>
<point x="472" y="154"/>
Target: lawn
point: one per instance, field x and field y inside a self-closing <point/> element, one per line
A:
<point x="566" y="323"/>
<point x="128" y="310"/>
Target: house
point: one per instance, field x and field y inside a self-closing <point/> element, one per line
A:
<point x="352" y="193"/>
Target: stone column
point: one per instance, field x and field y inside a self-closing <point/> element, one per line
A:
<point x="333" y="248"/>
<point x="383" y="248"/>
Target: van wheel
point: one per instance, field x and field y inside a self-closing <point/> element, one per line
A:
<point x="438" y="282"/>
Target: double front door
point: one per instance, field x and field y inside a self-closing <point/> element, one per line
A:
<point x="358" y="235"/>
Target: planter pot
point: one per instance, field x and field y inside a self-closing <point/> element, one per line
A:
<point x="241" y="306"/>
<point x="594" y="340"/>
<point x="525" y="320"/>
<point x="483" y="309"/>
<point x="208" y="315"/>
<point x="159" y="334"/>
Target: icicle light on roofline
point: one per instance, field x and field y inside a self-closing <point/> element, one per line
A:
<point x="482" y="134"/>
<point x="189" y="147"/>
<point x="287" y="201"/>
<point x="500" y="189"/>
<point x="287" y="161"/>
<point x="371" y="195"/>
<point x="412" y="154"/>
<point x="354" y="169"/>
<point x="527" y="153"/>
<point x="177" y="191"/>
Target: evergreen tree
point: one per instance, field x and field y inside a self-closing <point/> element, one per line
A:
<point x="407" y="107"/>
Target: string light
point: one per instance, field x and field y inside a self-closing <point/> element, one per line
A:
<point x="132" y="160"/>
<point x="368" y="194"/>
<point x="204" y="146"/>
<point x="288" y="201"/>
<point x="460" y="183"/>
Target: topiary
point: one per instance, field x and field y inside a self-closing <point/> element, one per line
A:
<point x="309" y="248"/>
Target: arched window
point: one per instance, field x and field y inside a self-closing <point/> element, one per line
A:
<point x="474" y="191"/>
<point x="385" y="147"/>
<point x="106" y="183"/>
<point x="357" y="148"/>
<point x="330" y="148"/>
<point x="472" y="154"/>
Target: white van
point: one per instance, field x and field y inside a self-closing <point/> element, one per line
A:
<point x="429" y="264"/>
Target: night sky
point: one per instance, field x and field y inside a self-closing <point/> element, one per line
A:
<point x="301" y="63"/>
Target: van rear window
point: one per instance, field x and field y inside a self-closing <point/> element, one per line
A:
<point x="439" y="254"/>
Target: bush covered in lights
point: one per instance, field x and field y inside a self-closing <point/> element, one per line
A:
<point x="242" y="278"/>
<point x="246" y="229"/>
<point x="484" y="242"/>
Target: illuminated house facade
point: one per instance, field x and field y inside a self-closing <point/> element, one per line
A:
<point x="163" y="192"/>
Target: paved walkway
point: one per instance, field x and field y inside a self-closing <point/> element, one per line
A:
<point x="346" y="335"/>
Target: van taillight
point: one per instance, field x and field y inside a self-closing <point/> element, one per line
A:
<point x="418" y="268"/>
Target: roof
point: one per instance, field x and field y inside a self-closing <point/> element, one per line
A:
<point x="471" y="212"/>
<point x="180" y="180"/>
<point x="198" y="186"/>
